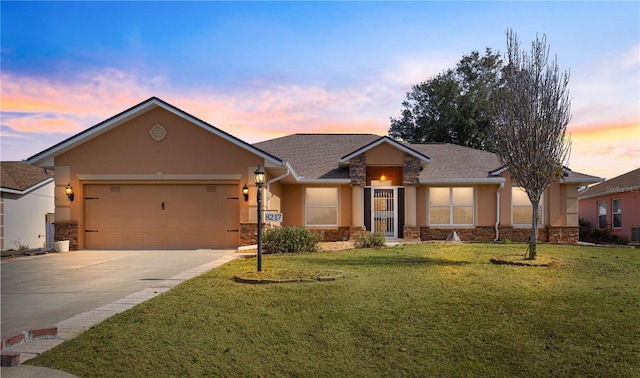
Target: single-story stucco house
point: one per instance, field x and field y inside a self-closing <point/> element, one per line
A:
<point x="157" y="177"/>
<point x="614" y="205"/>
<point x="26" y="206"/>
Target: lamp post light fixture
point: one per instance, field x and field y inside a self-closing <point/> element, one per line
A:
<point x="69" y="192"/>
<point x="258" y="179"/>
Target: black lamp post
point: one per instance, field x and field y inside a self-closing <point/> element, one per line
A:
<point x="258" y="178"/>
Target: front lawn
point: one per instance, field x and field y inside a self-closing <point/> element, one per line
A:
<point x="417" y="310"/>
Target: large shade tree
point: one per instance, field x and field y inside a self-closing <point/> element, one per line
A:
<point x="532" y="113"/>
<point x="454" y="106"/>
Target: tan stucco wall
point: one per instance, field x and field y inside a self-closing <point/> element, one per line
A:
<point x="384" y="154"/>
<point x="345" y="198"/>
<point x="129" y="149"/>
<point x="486" y="204"/>
<point x="421" y="203"/>
<point x="293" y="205"/>
<point x="555" y="205"/>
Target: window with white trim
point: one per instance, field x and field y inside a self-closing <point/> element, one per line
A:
<point x="451" y="206"/>
<point x="321" y="206"/>
<point x="602" y="214"/>
<point x="616" y="211"/>
<point x="522" y="209"/>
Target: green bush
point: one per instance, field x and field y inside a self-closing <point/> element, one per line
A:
<point x="366" y="239"/>
<point x="289" y="240"/>
<point x="598" y="236"/>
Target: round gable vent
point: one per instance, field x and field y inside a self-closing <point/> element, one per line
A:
<point x="158" y="132"/>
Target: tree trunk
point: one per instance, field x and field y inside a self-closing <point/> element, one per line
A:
<point x="534" y="232"/>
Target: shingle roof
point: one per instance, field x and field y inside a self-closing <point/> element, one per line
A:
<point x="626" y="182"/>
<point x="451" y="162"/>
<point x="16" y="175"/>
<point x="316" y="156"/>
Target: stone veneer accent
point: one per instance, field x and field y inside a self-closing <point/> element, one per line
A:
<point x="249" y="233"/>
<point x="358" y="170"/>
<point x="411" y="171"/>
<point x="332" y="234"/>
<point x="562" y="234"/>
<point x="66" y="231"/>
<point x="411" y="233"/>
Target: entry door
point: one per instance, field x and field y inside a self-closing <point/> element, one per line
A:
<point x="384" y="210"/>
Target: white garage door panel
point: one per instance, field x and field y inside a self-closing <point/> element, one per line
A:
<point x="133" y="216"/>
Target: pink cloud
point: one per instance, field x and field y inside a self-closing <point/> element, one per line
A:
<point x="605" y="150"/>
<point x="254" y="114"/>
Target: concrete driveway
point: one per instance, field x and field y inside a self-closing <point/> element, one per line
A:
<point x="41" y="291"/>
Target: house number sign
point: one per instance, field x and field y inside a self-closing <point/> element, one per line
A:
<point x="273" y="217"/>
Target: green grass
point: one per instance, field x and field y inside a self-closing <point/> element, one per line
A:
<point x="418" y="310"/>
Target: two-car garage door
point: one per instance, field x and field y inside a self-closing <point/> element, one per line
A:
<point x="179" y="216"/>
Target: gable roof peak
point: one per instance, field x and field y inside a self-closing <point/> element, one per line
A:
<point x="45" y="158"/>
<point x="344" y="161"/>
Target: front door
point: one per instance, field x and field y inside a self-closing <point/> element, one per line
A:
<point x="384" y="210"/>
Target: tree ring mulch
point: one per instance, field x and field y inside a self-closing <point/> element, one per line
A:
<point x="289" y="276"/>
<point x="519" y="260"/>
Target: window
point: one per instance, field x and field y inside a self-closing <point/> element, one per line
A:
<point x="321" y="205"/>
<point x="521" y="208"/>
<point x="451" y="206"/>
<point x="602" y="214"/>
<point x="616" y="211"/>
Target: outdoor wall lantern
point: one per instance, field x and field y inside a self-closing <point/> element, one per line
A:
<point x="69" y="192"/>
<point x="258" y="179"/>
<point x="245" y="192"/>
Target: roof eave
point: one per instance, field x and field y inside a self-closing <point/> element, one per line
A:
<point x="581" y="180"/>
<point x="487" y="180"/>
<point x="29" y="189"/>
<point x="46" y="157"/>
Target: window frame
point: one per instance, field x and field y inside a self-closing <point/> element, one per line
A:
<point x="452" y="206"/>
<point x="529" y="205"/>
<point x="598" y="207"/>
<point x="614" y="213"/>
<point x="336" y="207"/>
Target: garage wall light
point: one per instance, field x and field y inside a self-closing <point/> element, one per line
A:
<point x="69" y="192"/>
<point x="245" y="192"/>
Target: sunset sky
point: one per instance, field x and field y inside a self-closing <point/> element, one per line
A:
<point x="260" y="70"/>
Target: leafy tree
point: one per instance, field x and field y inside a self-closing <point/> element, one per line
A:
<point x="454" y="106"/>
<point x="532" y="113"/>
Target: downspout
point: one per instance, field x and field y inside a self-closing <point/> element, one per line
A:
<point x="286" y="164"/>
<point x="498" y="211"/>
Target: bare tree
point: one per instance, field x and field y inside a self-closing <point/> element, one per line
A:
<point x="533" y="111"/>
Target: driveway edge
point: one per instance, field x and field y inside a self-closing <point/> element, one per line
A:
<point x="74" y="326"/>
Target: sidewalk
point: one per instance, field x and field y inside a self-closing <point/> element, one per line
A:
<point x="74" y="326"/>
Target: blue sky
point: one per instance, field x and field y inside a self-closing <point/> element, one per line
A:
<point x="259" y="70"/>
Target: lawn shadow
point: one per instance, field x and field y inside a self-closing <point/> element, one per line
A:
<point x="362" y="260"/>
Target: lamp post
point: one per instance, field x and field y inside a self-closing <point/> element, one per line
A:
<point x="258" y="178"/>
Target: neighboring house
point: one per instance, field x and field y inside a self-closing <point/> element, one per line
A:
<point x="614" y="204"/>
<point x="26" y="206"/>
<point x="154" y="176"/>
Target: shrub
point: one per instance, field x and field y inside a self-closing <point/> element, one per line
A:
<point x="289" y="240"/>
<point x="366" y="239"/>
<point x="598" y="236"/>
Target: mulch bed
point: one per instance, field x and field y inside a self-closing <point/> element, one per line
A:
<point x="519" y="260"/>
